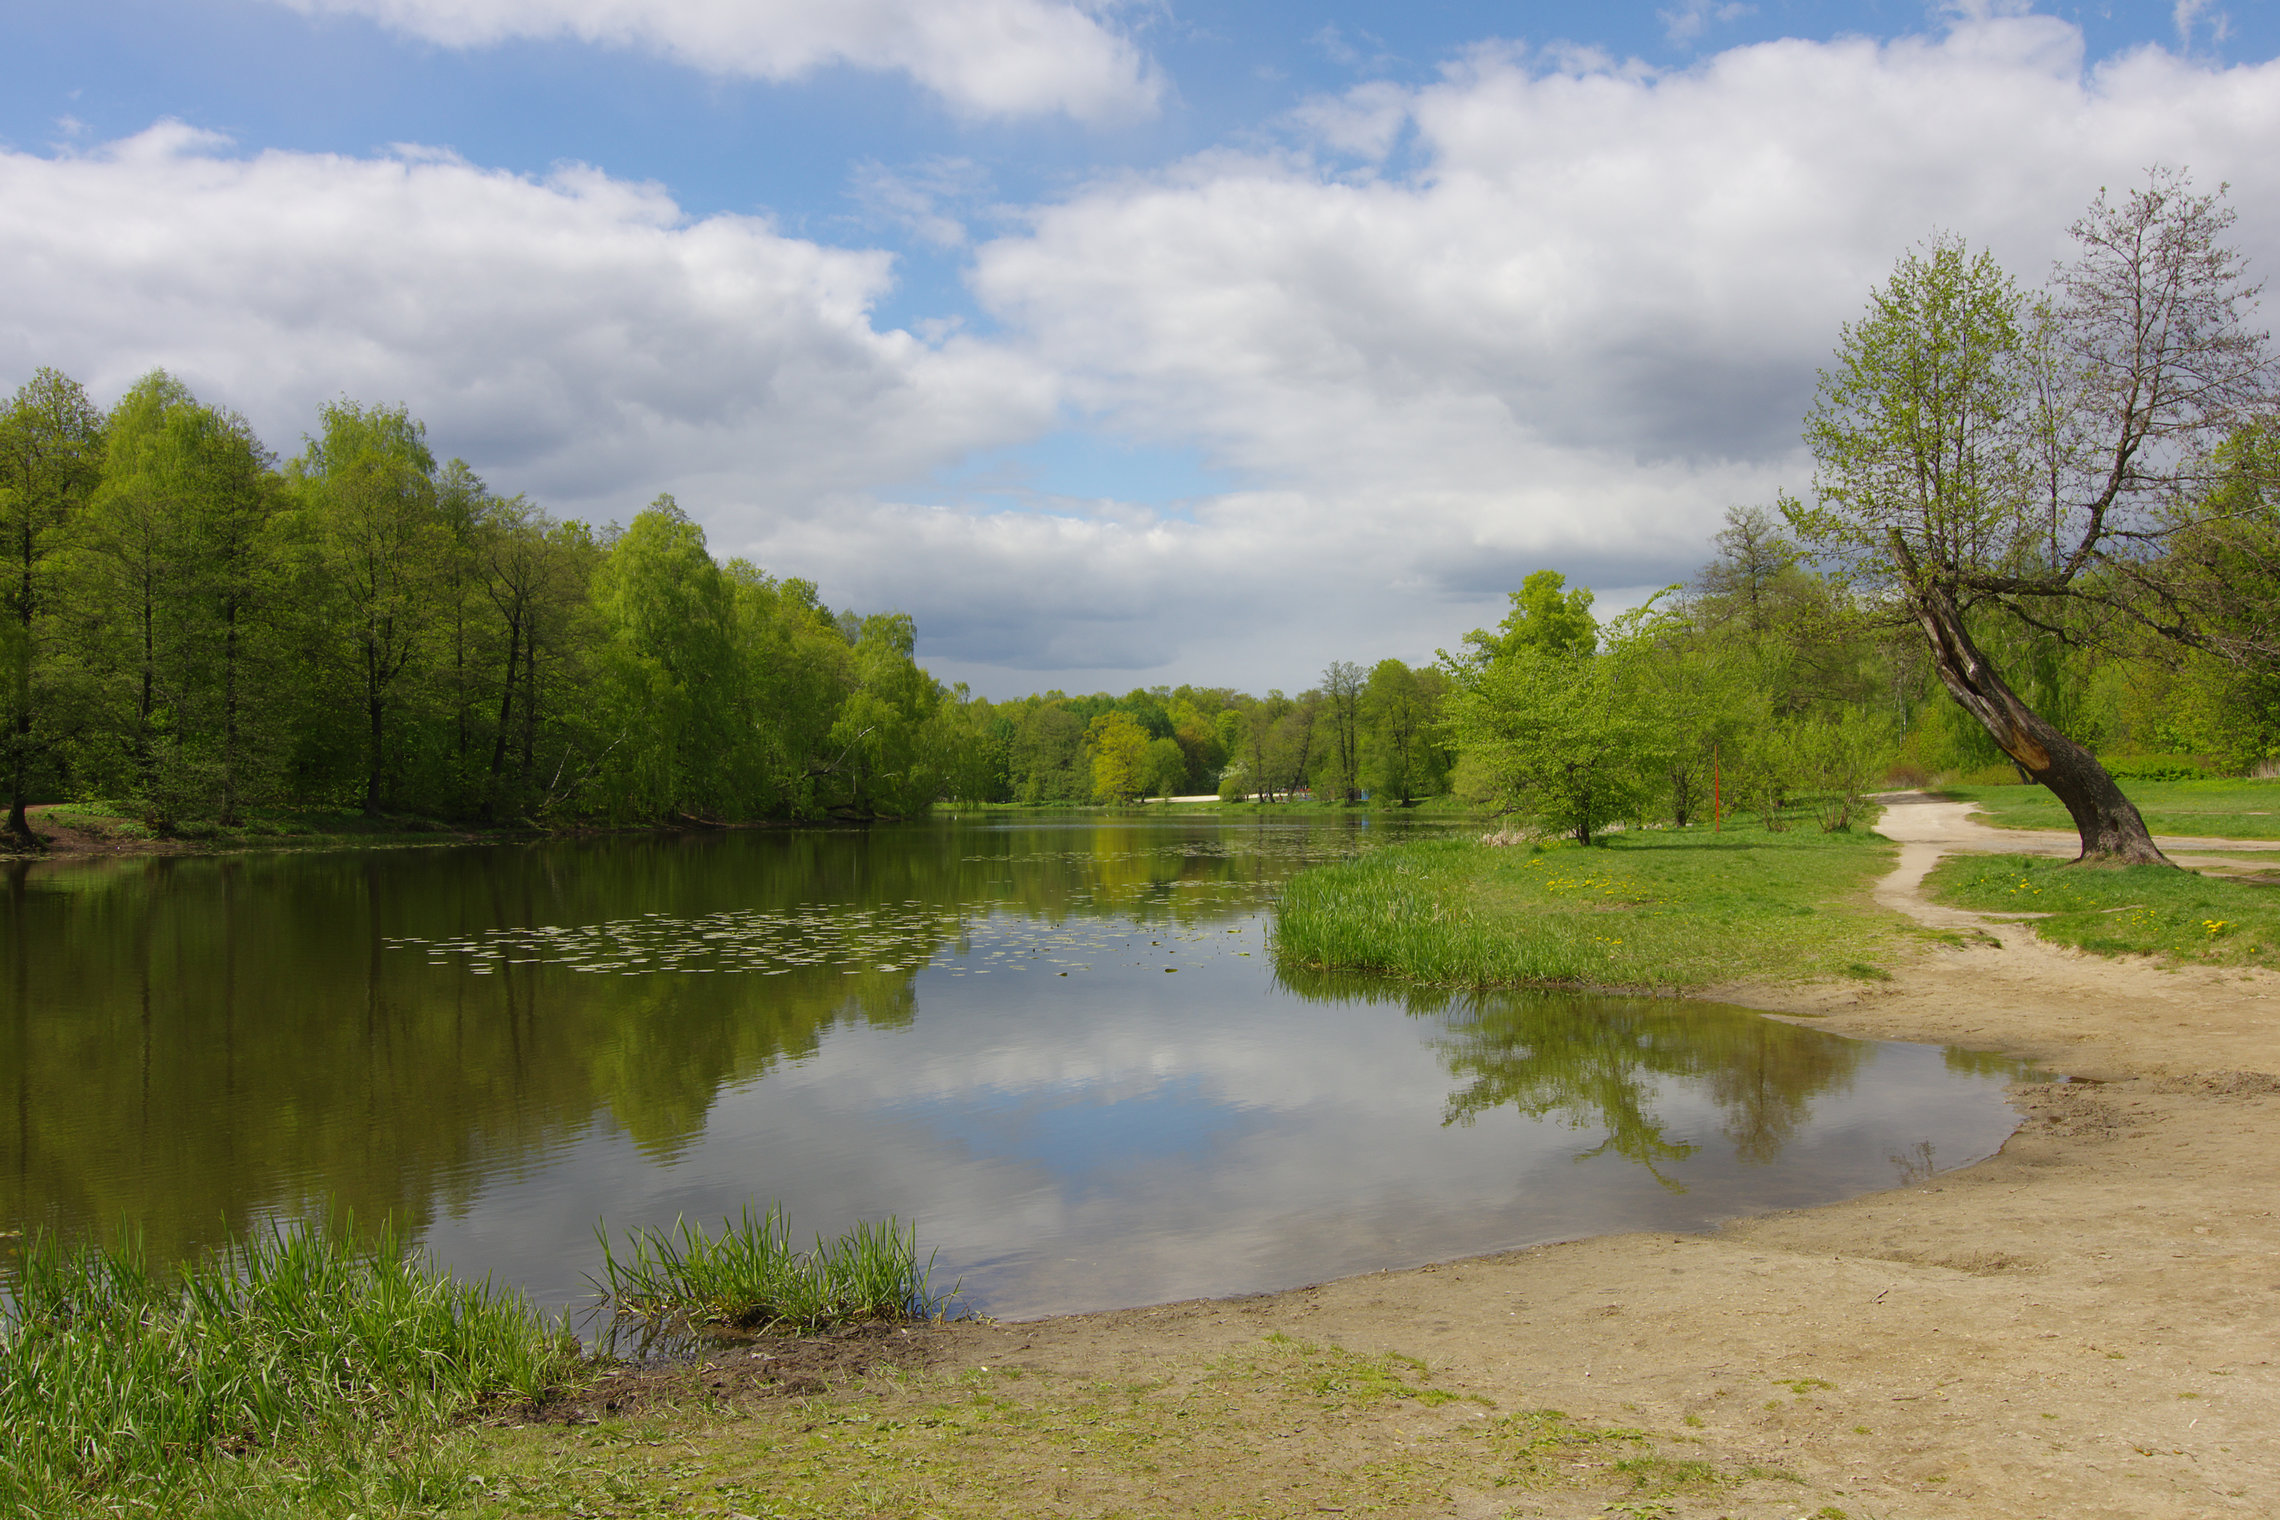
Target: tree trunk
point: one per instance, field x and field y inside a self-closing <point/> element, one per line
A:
<point x="506" y="723"/>
<point x="2112" y="832"/>
<point x="229" y="818"/>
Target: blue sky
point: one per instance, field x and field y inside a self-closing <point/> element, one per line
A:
<point x="1119" y="342"/>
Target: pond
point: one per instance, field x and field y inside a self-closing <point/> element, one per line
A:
<point x="1058" y="1046"/>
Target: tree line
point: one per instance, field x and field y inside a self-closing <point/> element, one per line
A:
<point x="1362" y="735"/>
<point x="191" y="626"/>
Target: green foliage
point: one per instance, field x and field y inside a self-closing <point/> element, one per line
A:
<point x="1118" y="746"/>
<point x="193" y="632"/>
<point x="1545" y="618"/>
<point x="1559" y="737"/>
<point x="751" y="1276"/>
<point x="2128" y="910"/>
<point x="287" y="1372"/>
<point x="1405" y="755"/>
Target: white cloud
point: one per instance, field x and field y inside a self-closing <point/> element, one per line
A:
<point x="923" y="198"/>
<point x="577" y="336"/>
<point x="983" y="57"/>
<point x="1582" y="323"/>
<point x="1591" y="319"/>
<point x="1687" y="21"/>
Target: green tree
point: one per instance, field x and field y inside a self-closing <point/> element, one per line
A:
<point x="1545" y="617"/>
<point x="1341" y="773"/>
<point x="1400" y="713"/>
<point x="173" y="577"/>
<point x="671" y="674"/>
<point x="1118" y="746"/>
<point x="367" y="481"/>
<point x="885" y="727"/>
<point x="1974" y="453"/>
<point x="51" y="447"/>
<point x="1556" y="734"/>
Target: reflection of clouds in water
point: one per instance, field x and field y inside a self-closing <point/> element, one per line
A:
<point x="1147" y="1141"/>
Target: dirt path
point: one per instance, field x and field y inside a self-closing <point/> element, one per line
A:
<point x="2085" y="1325"/>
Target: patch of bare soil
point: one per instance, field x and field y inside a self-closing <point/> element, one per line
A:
<point x="739" y="1368"/>
<point x="2084" y="1325"/>
<point x="60" y="836"/>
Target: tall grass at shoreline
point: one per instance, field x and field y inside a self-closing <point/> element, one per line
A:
<point x="750" y="1275"/>
<point x="1664" y="910"/>
<point x="325" y="1372"/>
<point x="303" y="1372"/>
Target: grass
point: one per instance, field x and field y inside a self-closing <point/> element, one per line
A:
<point x="2227" y="809"/>
<point x="316" y="1372"/>
<point x="750" y="1276"/>
<point x="1661" y="909"/>
<point x="1281" y="1426"/>
<point x="296" y="1373"/>
<point x="2129" y="910"/>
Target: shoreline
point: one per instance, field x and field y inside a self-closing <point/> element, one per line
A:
<point x="2085" y="1323"/>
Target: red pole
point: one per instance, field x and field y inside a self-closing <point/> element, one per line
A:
<point x="1714" y="788"/>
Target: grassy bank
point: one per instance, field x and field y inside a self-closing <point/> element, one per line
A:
<point x="2227" y="809"/>
<point x="323" y="1373"/>
<point x="2134" y="910"/>
<point x="296" y="1374"/>
<point x="1669" y="909"/>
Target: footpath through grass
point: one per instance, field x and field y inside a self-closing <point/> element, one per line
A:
<point x="2128" y="910"/>
<point x="2226" y="809"/>
<point x="1659" y="909"/>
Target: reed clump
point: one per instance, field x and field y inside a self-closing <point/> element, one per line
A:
<point x="751" y="1276"/>
<point x="302" y="1371"/>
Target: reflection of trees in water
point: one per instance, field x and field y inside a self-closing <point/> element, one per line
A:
<point x="198" y="1041"/>
<point x="1596" y="1061"/>
<point x="191" y="1042"/>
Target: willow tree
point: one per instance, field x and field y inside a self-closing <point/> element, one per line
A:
<point x="1977" y="452"/>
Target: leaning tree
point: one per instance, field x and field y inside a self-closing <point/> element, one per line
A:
<point x="1977" y="451"/>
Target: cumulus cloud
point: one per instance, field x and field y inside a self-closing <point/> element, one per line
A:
<point x="1573" y="319"/>
<point x="578" y="334"/>
<point x="1591" y="317"/>
<point x="982" y="57"/>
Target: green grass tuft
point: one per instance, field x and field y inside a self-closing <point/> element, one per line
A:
<point x="308" y="1372"/>
<point x="750" y="1275"/>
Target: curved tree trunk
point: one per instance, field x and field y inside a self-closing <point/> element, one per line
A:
<point x="2112" y="832"/>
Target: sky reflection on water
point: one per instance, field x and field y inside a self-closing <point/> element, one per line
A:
<point x="1059" y="1049"/>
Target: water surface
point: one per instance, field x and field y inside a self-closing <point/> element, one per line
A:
<point x="1059" y="1047"/>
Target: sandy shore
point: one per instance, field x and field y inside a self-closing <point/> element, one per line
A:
<point x="2084" y="1325"/>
